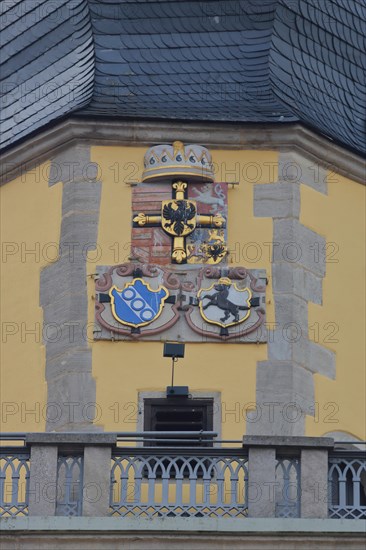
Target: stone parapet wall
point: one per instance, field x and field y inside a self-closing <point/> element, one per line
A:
<point x="191" y="534"/>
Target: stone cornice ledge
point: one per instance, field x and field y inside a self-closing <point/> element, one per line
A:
<point x="232" y="526"/>
<point x="291" y="137"/>
<point x="61" y="438"/>
<point x="288" y="441"/>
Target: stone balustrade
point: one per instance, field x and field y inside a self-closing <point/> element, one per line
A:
<point x="98" y="475"/>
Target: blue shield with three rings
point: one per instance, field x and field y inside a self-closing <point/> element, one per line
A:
<point x="137" y="304"/>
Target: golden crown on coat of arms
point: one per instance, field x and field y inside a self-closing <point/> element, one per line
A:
<point x="163" y="163"/>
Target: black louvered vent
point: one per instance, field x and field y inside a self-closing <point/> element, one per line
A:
<point x="187" y="415"/>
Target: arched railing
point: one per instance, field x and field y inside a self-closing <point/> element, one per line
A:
<point x="347" y="484"/>
<point x="174" y="483"/>
<point x="14" y="481"/>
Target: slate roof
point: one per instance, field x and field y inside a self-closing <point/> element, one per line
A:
<point x="47" y="63"/>
<point x="268" y="61"/>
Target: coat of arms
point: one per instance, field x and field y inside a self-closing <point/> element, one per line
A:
<point x="204" y="304"/>
<point x="179" y="217"/>
<point x="137" y="304"/>
<point x="133" y="301"/>
<point x="227" y="304"/>
<point x="224" y="304"/>
<point x="177" y="283"/>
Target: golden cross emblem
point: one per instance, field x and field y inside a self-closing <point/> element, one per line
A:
<point x="179" y="218"/>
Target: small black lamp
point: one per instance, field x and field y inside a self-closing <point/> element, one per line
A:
<point x="175" y="350"/>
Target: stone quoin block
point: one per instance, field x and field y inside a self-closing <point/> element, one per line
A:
<point x="277" y="200"/>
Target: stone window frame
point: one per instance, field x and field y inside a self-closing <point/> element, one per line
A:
<point x="216" y="396"/>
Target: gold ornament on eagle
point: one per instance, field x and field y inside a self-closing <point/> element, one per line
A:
<point x="179" y="216"/>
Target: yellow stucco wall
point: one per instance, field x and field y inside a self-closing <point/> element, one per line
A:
<point x="30" y="221"/>
<point x="122" y="369"/>
<point x="339" y="323"/>
<point x="31" y="213"/>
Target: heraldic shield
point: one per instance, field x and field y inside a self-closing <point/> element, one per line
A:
<point x="137" y="304"/>
<point x="224" y="304"/>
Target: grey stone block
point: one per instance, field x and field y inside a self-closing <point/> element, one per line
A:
<point x="298" y="245"/>
<point x="73" y="361"/>
<point x="288" y="277"/>
<point x="65" y="338"/>
<point x="291" y="315"/>
<point x="68" y="307"/>
<point x="284" y="395"/>
<point x="283" y="348"/>
<point x="96" y="481"/>
<point x="43" y="480"/>
<point x="314" y="483"/>
<point x="81" y="197"/>
<point x="294" y="168"/>
<point x="73" y="164"/>
<point x="279" y="347"/>
<point x="71" y="401"/>
<point x="80" y="228"/>
<point x="304" y="352"/>
<point x="322" y="360"/>
<point x="285" y="383"/>
<point x="271" y="425"/>
<point x="277" y="200"/>
<point x="262" y="479"/>
<point x="62" y="280"/>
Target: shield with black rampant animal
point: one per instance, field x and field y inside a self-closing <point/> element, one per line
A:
<point x="224" y="304"/>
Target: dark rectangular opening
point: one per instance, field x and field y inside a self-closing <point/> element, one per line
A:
<point x="178" y="415"/>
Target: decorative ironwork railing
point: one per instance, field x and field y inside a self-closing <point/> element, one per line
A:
<point x="347" y="485"/>
<point x="69" y="485"/>
<point x="179" y="482"/>
<point x="176" y="481"/>
<point x="14" y="481"/>
<point x="288" y="487"/>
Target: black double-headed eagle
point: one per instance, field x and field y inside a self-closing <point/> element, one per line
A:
<point x="178" y="213"/>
